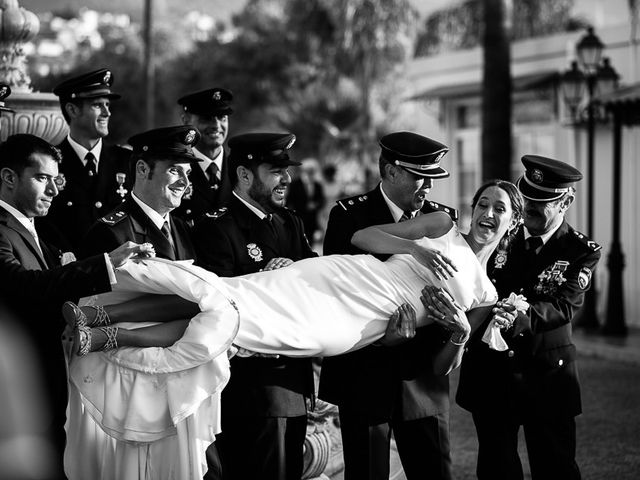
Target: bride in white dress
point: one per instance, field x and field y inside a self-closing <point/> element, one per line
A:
<point x="152" y="412"/>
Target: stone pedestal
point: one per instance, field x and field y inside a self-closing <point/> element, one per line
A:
<point x="36" y="113"/>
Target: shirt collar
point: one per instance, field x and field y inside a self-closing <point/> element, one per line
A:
<point x="546" y="236"/>
<point x="25" y="221"/>
<point x="259" y="213"/>
<point x="157" y="219"/>
<point x="206" y="161"/>
<point x="396" y="211"/>
<point x="82" y="152"/>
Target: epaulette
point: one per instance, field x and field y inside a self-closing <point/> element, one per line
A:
<point x="347" y="203"/>
<point x="217" y="213"/>
<point x="114" y="217"/>
<point x="588" y="242"/>
<point x="453" y="213"/>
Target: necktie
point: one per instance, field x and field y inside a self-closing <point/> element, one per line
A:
<point x="91" y="164"/>
<point x="531" y="246"/>
<point x="34" y="234"/>
<point x="167" y="233"/>
<point x="406" y="216"/>
<point x="214" y="174"/>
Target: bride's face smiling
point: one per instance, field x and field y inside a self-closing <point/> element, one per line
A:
<point x="492" y="216"/>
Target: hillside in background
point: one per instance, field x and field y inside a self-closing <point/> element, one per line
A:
<point x="219" y="9"/>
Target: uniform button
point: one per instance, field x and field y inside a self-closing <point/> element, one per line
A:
<point x="69" y="204"/>
<point x="188" y="212"/>
<point x="510" y="353"/>
<point x="560" y="362"/>
<point x="493" y="280"/>
<point x="98" y="204"/>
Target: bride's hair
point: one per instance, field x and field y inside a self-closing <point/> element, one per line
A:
<point x="517" y="206"/>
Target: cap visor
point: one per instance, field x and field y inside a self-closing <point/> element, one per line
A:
<point x="532" y="193"/>
<point x="433" y="173"/>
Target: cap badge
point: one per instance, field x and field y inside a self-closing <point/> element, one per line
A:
<point x="216" y="96"/>
<point x="107" y="77"/>
<point x="584" y="278"/>
<point x="536" y="176"/>
<point x="189" y="137"/>
<point x="440" y="155"/>
<point x="254" y="252"/>
<point x="291" y="142"/>
<point x="3" y="91"/>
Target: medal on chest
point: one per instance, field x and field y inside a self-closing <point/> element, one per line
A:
<point x="551" y="278"/>
<point x="254" y="252"/>
<point x="120" y="179"/>
<point x="500" y="259"/>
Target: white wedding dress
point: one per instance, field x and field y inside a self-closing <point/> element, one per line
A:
<point x="150" y="413"/>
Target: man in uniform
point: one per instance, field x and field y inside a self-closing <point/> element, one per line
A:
<point x="534" y="383"/>
<point x="208" y="111"/>
<point x="263" y="405"/>
<point x="93" y="177"/>
<point x="379" y="390"/>
<point x="161" y="162"/>
<point x="36" y="277"/>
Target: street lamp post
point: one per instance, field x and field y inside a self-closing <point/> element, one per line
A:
<point x="597" y="75"/>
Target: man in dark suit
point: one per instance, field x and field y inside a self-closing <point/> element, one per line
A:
<point x="37" y="278"/>
<point x="263" y="405"/>
<point x="380" y="390"/>
<point x="93" y="176"/>
<point x="208" y="110"/>
<point x="534" y="383"/>
<point x="161" y="161"/>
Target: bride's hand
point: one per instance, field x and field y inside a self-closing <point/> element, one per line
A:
<point x="439" y="264"/>
<point x="445" y="311"/>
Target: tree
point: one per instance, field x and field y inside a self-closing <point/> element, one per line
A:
<point x="496" y="92"/>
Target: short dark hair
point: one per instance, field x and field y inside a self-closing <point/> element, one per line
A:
<point x="517" y="205"/>
<point x="63" y="107"/>
<point x="17" y="151"/>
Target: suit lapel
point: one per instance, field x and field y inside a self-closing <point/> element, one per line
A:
<point x="254" y="229"/>
<point x="146" y="231"/>
<point x="378" y="209"/>
<point x="13" y="223"/>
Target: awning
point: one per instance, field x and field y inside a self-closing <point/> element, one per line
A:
<point x="625" y="103"/>
<point x="520" y="83"/>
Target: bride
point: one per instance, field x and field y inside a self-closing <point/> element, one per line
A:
<point x="153" y="411"/>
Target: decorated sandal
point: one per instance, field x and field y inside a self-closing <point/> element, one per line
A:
<point x="75" y="315"/>
<point x="84" y="336"/>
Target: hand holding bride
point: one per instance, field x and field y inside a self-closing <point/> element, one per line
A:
<point x="127" y="250"/>
<point x="439" y="264"/>
<point x="445" y="311"/>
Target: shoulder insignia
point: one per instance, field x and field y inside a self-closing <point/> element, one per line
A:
<point x="217" y="213"/>
<point x="347" y="203"/>
<point x="439" y="207"/>
<point x="588" y="242"/>
<point x="114" y="217"/>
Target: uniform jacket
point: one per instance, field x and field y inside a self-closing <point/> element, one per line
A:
<point x="234" y="241"/>
<point x="129" y="223"/>
<point x="377" y="381"/>
<point x="34" y="286"/>
<point x="204" y="198"/>
<point x="84" y="199"/>
<point x="539" y="369"/>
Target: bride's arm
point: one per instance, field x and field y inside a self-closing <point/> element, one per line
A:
<point x="405" y="237"/>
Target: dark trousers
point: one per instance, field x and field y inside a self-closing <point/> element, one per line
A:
<point x="266" y="448"/>
<point x="423" y="446"/>
<point x="551" y="447"/>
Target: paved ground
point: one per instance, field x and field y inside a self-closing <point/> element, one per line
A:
<point x="608" y="429"/>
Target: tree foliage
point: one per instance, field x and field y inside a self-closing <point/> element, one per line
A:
<point x="458" y="27"/>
